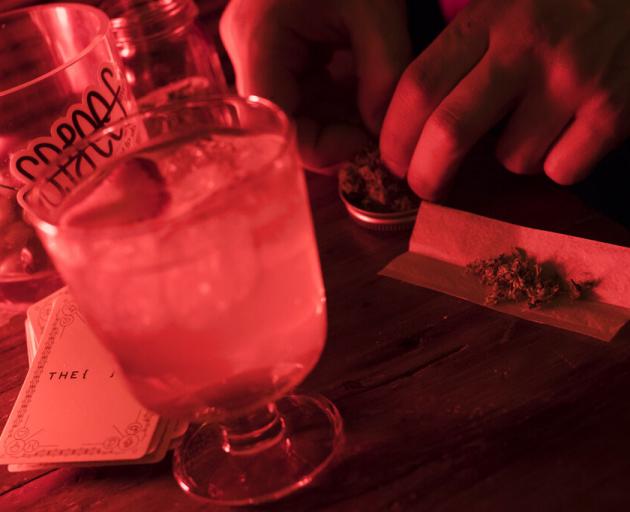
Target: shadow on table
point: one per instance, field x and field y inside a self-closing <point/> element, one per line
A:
<point x="598" y="208"/>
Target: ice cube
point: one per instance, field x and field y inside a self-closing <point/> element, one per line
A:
<point x="197" y="170"/>
<point x="133" y="192"/>
<point x="219" y="272"/>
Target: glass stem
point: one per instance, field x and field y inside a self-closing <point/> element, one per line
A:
<point x="254" y="432"/>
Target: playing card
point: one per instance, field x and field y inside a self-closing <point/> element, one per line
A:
<point x="74" y="405"/>
<point x="167" y="434"/>
<point x="156" y="452"/>
<point x="37" y="316"/>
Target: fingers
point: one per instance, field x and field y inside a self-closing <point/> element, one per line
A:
<point x="265" y="56"/>
<point x="324" y="144"/>
<point x="602" y="121"/>
<point x="478" y="102"/>
<point x="424" y="84"/>
<point x="597" y="128"/>
<point x="330" y="129"/>
<point x="532" y="130"/>
<point x="382" y="50"/>
<point x="292" y="53"/>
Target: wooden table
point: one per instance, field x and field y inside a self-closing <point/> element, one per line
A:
<point x="447" y="405"/>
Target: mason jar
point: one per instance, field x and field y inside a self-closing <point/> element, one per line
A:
<point x="166" y="54"/>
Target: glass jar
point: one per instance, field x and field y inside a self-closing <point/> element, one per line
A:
<point x="165" y="53"/>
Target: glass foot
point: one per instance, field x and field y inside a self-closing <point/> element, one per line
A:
<point x="262" y="457"/>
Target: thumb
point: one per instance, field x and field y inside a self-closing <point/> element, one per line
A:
<point x="382" y="50"/>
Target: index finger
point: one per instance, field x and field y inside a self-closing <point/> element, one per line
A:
<point x="425" y="83"/>
<point x="477" y="104"/>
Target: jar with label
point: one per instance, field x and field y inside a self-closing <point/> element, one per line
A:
<point x="166" y="55"/>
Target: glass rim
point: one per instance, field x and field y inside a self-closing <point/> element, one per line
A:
<point x="101" y="34"/>
<point x="50" y="226"/>
<point x="126" y="28"/>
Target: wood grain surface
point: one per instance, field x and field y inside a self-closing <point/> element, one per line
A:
<point x="447" y="405"/>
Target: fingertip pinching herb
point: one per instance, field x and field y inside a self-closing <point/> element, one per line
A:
<point x="367" y="183"/>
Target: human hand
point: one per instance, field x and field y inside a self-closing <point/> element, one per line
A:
<point x="559" y="68"/>
<point x="331" y="65"/>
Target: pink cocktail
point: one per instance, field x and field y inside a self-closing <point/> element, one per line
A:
<point x="193" y="258"/>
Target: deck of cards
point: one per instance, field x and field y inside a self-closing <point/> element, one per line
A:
<point x="74" y="407"/>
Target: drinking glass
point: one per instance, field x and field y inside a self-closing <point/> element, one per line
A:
<point x="60" y="80"/>
<point x="193" y="258"/>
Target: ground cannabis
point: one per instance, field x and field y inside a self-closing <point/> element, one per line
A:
<point x="516" y="277"/>
<point x="368" y="184"/>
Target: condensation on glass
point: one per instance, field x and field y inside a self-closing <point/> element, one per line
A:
<point x="165" y="52"/>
